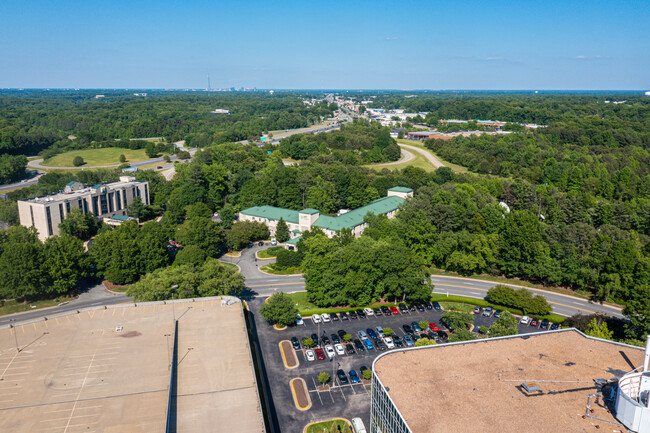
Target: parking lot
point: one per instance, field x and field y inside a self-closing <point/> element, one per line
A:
<point x="341" y="400"/>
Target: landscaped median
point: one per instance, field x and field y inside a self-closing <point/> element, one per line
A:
<point x="343" y="425"/>
<point x="271" y="269"/>
<point x="269" y="253"/>
<point x="300" y="393"/>
<point x="288" y="354"/>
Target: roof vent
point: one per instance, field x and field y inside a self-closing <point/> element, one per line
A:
<point x="530" y="387"/>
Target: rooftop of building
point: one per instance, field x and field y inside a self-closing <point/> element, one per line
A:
<point x="79" y="372"/>
<point x="272" y="213"/>
<point x="400" y="189"/>
<point x="62" y="196"/>
<point x="476" y="386"/>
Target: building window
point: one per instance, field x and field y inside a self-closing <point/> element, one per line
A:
<point x="95" y="205"/>
<point x="146" y="194"/>
<point x="61" y="211"/>
<point x="49" y="221"/>
<point x="85" y="206"/>
<point x="124" y="197"/>
<point x="31" y="213"/>
<point x="118" y="201"/>
<point x="110" y="202"/>
<point x="67" y="207"/>
<point x="80" y="205"/>
<point x="103" y="204"/>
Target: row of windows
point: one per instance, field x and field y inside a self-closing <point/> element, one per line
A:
<point x="384" y="417"/>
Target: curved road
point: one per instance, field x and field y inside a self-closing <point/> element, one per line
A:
<point x="406" y="157"/>
<point x="427" y="155"/>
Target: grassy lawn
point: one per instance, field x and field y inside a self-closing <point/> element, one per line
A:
<point x="419" y="162"/>
<point x="269" y="253"/>
<point x="93" y="157"/>
<point x="229" y="266"/>
<point x="454" y="167"/>
<point x="457" y="306"/>
<point x="326" y="426"/>
<point x="272" y="270"/>
<point x="10" y="307"/>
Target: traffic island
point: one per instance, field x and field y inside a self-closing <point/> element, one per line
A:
<point x="321" y="426"/>
<point x="300" y="394"/>
<point x="288" y="354"/>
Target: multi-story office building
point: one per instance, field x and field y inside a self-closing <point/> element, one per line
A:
<point x="102" y="200"/>
<point x="557" y="381"/>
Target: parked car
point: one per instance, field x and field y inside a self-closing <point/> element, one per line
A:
<point x="274" y="242"/>
<point x="335" y="338"/>
<point x="408" y="341"/>
<point x="360" y="313"/>
<point x="403" y="309"/>
<point x="250" y="245"/>
<point x="368" y="344"/>
<point x="325" y="317"/>
<point x="353" y="315"/>
<point x="334" y="317"/>
<point x="358" y="426"/>
<point x="299" y="320"/>
<point x="338" y="347"/>
<point x="343" y="315"/>
<point x="411" y="307"/>
<point x="534" y="323"/>
<point x="368" y="311"/>
<point x="555" y="326"/>
<point x="389" y="342"/>
<point x="385" y="310"/>
<point x="325" y="339"/>
<point x="341" y="333"/>
<point x="420" y="307"/>
<point x="329" y="350"/>
<point x="361" y="370"/>
<point x="434" y="327"/>
<point x="437" y="306"/>
<point x="309" y="354"/>
<point x="497" y="313"/>
<point x="477" y="309"/>
<point x="359" y="345"/>
<point x="316" y="318"/>
<point x="354" y="377"/>
<point x="544" y="324"/>
<point x="416" y="326"/>
<point x="295" y="342"/>
<point x="371" y="333"/>
<point x="377" y="311"/>
<point x="342" y="377"/>
<point x="320" y="354"/>
<point x="432" y="335"/>
<point x="362" y="335"/>
<point x="443" y="335"/>
<point x="429" y="305"/>
<point x="380" y="331"/>
<point x="407" y="329"/>
<point x="394" y="310"/>
<point x="379" y="344"/>
<point x="398" y="341"/>
<point x="525" y="320"/>
<point x="488" y="311"/>
<point x="349" y="348"/>
<point x="315" y="338"/>
<point x="415" y="337"/>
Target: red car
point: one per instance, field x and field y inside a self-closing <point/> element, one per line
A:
<point x="320" y="354"/>
<point x="434" y="327"/>
<point x="394" y="310"/>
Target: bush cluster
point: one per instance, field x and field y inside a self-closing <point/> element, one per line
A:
<point x="521" y="299"/>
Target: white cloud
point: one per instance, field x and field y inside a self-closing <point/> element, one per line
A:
<point x="598" y="57"/>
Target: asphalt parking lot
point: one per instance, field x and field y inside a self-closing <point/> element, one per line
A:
<point x="347" y="400"/>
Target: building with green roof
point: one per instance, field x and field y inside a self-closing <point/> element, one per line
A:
<point x="300" y="221"/>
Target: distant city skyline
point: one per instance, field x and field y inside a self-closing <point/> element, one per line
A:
<point x="478" y="45"/>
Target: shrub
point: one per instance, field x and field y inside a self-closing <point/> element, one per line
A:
<point x="288" y="259"/>
<point x="367" y="374"/>
<point x="347" y="337"/>
<point x="423" y="324"/>
<point x="307" y="342"/>
<point x="388" y="332"/>
<point x="521" y="299"/>
<point x="122" y="158"/>
<point x="190" y="254"/>
<point x="78" y="161"/>
<point x="323" y="378"/>
<point x="279" y="308"/>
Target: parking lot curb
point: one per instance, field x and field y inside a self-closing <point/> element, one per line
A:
<point x="326" y="420"/>
<point x="275" y="326"/>
<point x="295" y="397"/>
<point x="284" y="355"/>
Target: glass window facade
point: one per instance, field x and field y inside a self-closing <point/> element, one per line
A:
<point x="49" y="221"/>
<point x="384" y="417"/>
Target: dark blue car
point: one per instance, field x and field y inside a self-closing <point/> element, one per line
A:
<point x="354" y="377"/>
<point x="371" y="333"/>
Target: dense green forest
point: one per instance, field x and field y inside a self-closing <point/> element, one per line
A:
<point x="577" y="215"/>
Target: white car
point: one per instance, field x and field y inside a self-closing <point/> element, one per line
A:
<point x="368" y="311"/>
<point x="339" y="349"/>
<point x="274" y="242"/>
<point x="329" y="351"/>
<point x="325" y="317"/>
<point x="389" y="342"/>
<point x="525" y="320"/>
<point x="316" y="318"/>
<point x="299" y="320"/>
<point x="309" y="354"/>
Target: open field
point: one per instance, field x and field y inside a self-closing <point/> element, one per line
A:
<point x="95" y="157"/>
<point x="419" y="162"/>
<point x="454" y="167"/>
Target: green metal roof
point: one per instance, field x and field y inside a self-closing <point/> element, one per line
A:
<point x="272" y="213"/>
<point x="400" y="189"/>
<point x="295" y="231"/>
<point x="355" y="217"/>
<point x="293" y="241"/>
<point x="309" y="211"/>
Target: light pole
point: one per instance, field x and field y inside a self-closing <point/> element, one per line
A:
<point x="169" y="359"/>
<point x="15" y="335"/>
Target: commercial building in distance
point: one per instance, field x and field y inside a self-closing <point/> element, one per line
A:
<point x="179" y="366"/>
<point x="559" y="381"/>
<point x="300" y="221"/>
<point x="103" y="200"/>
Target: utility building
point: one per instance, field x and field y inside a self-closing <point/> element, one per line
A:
<point x="103" y="200"/>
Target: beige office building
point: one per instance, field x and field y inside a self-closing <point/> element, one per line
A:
<point x="102" y="200"/>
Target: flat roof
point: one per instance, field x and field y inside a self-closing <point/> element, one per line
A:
<point x="476" y="386"/>
<point x="74" y="195"/>
<point x="400" y="189"/>
<point x="76" y="372"/>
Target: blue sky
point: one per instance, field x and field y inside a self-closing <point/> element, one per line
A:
<point x="350" y="44"/>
